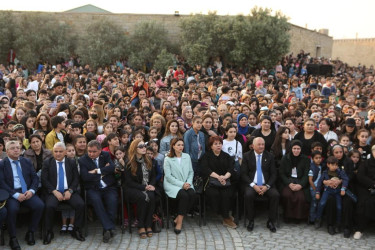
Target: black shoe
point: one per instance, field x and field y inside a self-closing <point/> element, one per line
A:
<point x="331" y="230"/>
<point x="271" y="226"/>
<point x="346" y="233"/>
<point x="112" y="232"/>
<point x="106" y="236"/>
<point x="30" y="238"/>
<point x="13" y="243"/>
<point x="318" y="223"/>
<point x="177" y="231"/>
<point x="250" y="226"/>
<point x="48" y="238"/>
<point x="76" y="233"/>
<point x="337" y="229"/>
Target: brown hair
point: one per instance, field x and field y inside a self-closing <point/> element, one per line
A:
<point x="214" y="138"/>
<point x="172" y="153"/>
<point x="132" y="154"/>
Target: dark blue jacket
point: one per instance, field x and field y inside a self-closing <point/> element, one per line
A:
<point x="92" y="181"/>
<point x="315" y="169"/>
<point x="341" y="175"/>
<point x="28" y="172"/>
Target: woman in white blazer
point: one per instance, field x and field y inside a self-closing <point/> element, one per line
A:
<point x="178" y="180"/>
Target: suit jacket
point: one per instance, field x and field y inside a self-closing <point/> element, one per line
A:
<point x="92" y="181"/>
<point x="135" y="181"/>
<point x="175" y="174"/>
<point x="49" y="174"/>
<point x="28" y="172"/>
<point x="249" y="167"/>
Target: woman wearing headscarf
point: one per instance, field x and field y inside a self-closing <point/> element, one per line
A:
<point x="294" y="171"/>
<point x="243" y="125"/>
<point x="348" y="204"/>
<point x="366" y="191"/>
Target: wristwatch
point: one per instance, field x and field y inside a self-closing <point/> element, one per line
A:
<point x="70" y="191"/>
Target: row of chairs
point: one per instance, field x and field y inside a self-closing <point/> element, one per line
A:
<point x="165" y="221"/>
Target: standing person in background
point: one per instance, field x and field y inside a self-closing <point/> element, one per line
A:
<point x="194" y="142"/>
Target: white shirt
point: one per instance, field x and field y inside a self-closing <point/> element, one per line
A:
<point x="96" y="161"/>
<point x="230" y="148"/>
<point x="255" y="176"/>
<point x="58" y="173"/>
<point x="60" y="136"/>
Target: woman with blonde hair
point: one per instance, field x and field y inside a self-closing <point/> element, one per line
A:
<point x="97" y="114"/>
<point x="158" y="121"/>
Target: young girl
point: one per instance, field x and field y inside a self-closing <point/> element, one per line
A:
<point x="361" y="145"/>
<point x="68" y="214"/>
<point x="355" y="156"/>
<point x="159" y="158"/>
<point x="345" y="141"/>
<point x="233" y="147"/>
<point x="108" y="128"/>
<point x="120" y="162"/>
<point x="152" y="133"/>
<point x="124" y="138"/>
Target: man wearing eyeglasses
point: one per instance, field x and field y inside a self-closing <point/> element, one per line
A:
<point x="97" y="172"/>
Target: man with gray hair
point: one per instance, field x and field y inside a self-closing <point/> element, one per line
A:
<point x="60" y="180"/>
<point x="258" y="174"/>
<point x="18" y="178"/>
<point x="97" y="172"/>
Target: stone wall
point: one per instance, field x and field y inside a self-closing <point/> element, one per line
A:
<point x="355" y="51"/>
<point x="318" y="44"/>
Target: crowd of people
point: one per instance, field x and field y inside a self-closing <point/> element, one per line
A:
<point x="304" y="142"/>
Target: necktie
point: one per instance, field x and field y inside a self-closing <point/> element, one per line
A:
<point x="61" y="178"/>
<point x="97" y="166"/>
<point x="259" y="171"/>
<point x="20" y="176"/>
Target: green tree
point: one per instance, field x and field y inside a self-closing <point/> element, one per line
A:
<point x="206" y="36"/>
<point x="7" y="31"/>
<point x="42" y="36"/>
<point x="102" y="43"/>
<point x="147" y="42"/>
<point x="163" y="61"/>
<point x="260" y="38"/>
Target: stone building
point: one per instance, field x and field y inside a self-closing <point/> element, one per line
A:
<point x="355" y="51"/>
<point x="317" y="43"/>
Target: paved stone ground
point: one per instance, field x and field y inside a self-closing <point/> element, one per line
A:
<point x="214" y="236"/>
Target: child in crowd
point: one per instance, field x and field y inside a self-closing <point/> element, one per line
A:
<point x="156" y="155"/>
<point x="68" y="214"/>
<point x="233" y="148"/>
<point x="314" y="176"/>
<point x="124" y="138"/>
<point x="332" y="173"/>
<point x="361" y="145"/>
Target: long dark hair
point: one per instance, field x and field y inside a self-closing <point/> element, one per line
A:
<point x="276" y="146"/>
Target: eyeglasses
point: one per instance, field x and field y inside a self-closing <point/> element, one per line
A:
<point x="141" y="146"/>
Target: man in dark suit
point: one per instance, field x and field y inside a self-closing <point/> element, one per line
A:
<point x="60" y="180"/>
<point x="18" y="178"/>
<point x="97" y="172"/>
<point x="258" y="175"/>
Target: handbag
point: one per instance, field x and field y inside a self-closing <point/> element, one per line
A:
<point x="198" y="184"/>
<point x="156" y="224"/>
<point x="216" y="183"/>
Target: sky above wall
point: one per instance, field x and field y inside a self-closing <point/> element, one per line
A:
<point x="343" y="18"/>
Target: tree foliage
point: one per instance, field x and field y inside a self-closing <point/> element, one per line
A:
<point x="206" y="36"/>
<point x="163" y="61"/>
<point x="258" y="39"/>
<point x="102" y="43"/>
<point x="147" y="42"/>
<point x="41" y="36"/>
<point x="7" y="31"/>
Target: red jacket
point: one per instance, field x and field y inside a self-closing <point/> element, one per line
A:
<point x="136" y="89"/>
